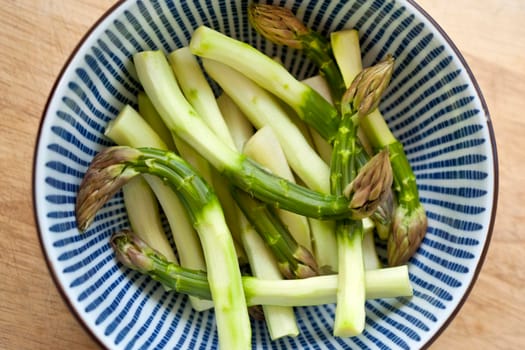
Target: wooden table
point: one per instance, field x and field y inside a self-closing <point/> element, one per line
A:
<point x="36" y="38"/>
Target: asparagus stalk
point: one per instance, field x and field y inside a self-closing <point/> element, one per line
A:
<point x="279" y="25"/>
<point x="280" y="320"/>
<point x="114" y="166"/>
<point x="143" y="213"/>
<point x="294" y="260"/>
<point x="180" y="117"/>
<point x="308" y="104"/>
<point x="265" y="149"/>
<point x="349" y="59"/>
<point x="409" y="219"/>
<point x="134" y="253"/>
<point x="130" y="129"/>
<point x="370" y="257"/>
<point x="198" y="92"/>
<point x="238" y="125"/>
<point x="150" y="115"/>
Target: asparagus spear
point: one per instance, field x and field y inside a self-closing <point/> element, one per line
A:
<point x="150" y="115"/>
<point x="143" y="213"/>
<point x="198" y="92"/>
<point x="409" y="219"/>
<point x="114" y="166"/>
<point x="293" y="259"/>
<point x="134" y="253"/>
<point x="350" y="310"/>
<point x="280" y="320"/>
<point x="308" y="104"/>
<point x="161" y="86"/>
<point x="279" y="25"/>
<point x="129" y="129"/>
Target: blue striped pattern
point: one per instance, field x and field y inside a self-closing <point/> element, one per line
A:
<point x="431" y="105"/>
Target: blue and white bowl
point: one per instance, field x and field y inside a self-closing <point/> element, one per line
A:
<point x="433" y="105"/>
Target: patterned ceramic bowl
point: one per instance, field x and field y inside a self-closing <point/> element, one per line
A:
<point x="433" y="106"/>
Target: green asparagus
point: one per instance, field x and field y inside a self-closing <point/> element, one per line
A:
<point x="308" y="104"/>
<point x="293" y="259"/>
<point x="134" y="253"/>
<point x="130" y="129"/>
<point x="409" y="224"/>
<point x="114" y="166"/>
<point x="350" y="309"/>
<point x="279" y="25"/>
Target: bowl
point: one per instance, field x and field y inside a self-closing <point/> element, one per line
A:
<point x="433" y="105"/>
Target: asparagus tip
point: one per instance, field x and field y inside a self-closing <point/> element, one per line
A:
<point x="409" y="229"/>
<point x="364" y="94"/>
<point x="132" y="251"/>
<point x="371" y="186"/>
<point x="106" y="174"/>
<point x="277" y="24"/>
<point x="383" y="216"/>
<point x="307" y="266"/>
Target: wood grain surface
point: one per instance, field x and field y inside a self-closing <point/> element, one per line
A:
<point x="36" y="38"/>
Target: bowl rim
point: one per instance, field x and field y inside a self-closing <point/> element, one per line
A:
<point x="55" y="275"/>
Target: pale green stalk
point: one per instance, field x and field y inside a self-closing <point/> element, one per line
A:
<point x="150" y="115"/>
<point x="144" y="217"/>
<point x="343" y="44"/>
<point x="239" y="126"/>
<point x="388" y="282"/>
<point x="308" y="104"/>
<point x="370" y="257"/>
<point x="280" y="320"/>
<point x="198" y="92"/>
<point x="350" y="306"/>
<point x="130" y="129"/>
